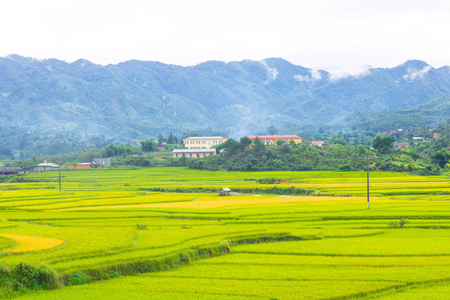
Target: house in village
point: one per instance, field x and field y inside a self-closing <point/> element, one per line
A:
<point x="203" y="142"/>
<point x="401" y="145"/>
<point x="322" y="144"/>
<point x="193" y="153"/>
<point x="82" y="165"/>
<point x="97" y="163"/>
<point x="318" y="143"/>
<point x="273" y="139"/>
<point x="101" y="163"/>
<point x="45" y="166"/>
<point x="224" y="192"/>
<point x="393" y="131"/>
<point x="11" y="170"/>
<point x="162" y="147"/>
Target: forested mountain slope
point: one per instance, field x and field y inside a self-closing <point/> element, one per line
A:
<point x="137" y="99"/>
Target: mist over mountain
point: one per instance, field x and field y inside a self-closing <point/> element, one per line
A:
<point x="140" y="99"/>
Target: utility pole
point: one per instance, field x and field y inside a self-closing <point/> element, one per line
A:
<point x="368" y="193"/>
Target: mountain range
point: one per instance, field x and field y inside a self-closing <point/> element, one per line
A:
<point x="140" y="99"/>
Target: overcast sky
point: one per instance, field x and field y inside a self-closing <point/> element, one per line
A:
<point x="336" y="35"/>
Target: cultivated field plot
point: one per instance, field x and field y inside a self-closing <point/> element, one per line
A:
<point x="189" y="243"/>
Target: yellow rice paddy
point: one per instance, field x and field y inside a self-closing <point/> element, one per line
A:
<point x="28" y="243"/>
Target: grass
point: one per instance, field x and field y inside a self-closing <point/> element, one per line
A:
<point x="6" y="242"/>
<point x="108" y="223"/>
<point x="151" y="287"/>
<point x="412" y="242"/>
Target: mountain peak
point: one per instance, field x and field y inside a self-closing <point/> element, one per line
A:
<point x="414" y="63"/>
<point x="19" y="58"/>
<point x="412" y="70"/>
<point x="81" y="62"/>
<point x="211" y="65"/>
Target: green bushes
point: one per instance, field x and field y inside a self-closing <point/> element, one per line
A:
<point x="5" y="282"/>
<point x="266" y="190"/>
<point x="399" y="224"/>
<point x="77" y="278"/>
<point x="146" y="265"/>
<point x="35" y="277"/>
<point x="306" y="158"/>
<point x="268" y="181"/>
<point x="23" y="277"/>
<point x="139" y="160"/>
<point x="141" y="227"/>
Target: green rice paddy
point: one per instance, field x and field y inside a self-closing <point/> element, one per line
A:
<point x="162" y="233"/>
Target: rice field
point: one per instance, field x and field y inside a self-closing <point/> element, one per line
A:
<point x="26" y="243"/>
<point x="163" y="233"/>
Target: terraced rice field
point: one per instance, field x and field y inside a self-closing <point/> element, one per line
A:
<point x="186" y="245"/>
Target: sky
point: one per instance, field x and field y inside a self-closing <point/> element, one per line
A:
<point x="340" y="36"/>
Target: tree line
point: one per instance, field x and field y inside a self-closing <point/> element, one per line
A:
<point x="244" y="156"/>
<point x="422" y="158"/>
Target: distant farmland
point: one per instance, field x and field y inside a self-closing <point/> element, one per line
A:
<point x="164" y="233"/>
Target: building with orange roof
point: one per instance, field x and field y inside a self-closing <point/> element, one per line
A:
<point x="273" y="139"/>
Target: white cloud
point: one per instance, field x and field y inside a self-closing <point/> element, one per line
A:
<point x="319" y="34"/>
<point x="272" y="73"/>
<point x="337" y="73"/>
<point x="412" y="74"/>
<point x="314" y="75"/>
<point x="302" y="78"/>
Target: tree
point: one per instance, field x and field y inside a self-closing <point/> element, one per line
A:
<point x="148" y="145"/>
<point x="191" y="134"/>
<point x="110" y="150"/>
<point x="272" y="129"/>
<point x="361" y="149"/>
<point x="338" y="141"/>
<point x="383" y="144"/>
<point x="246" y="142"/>
<point x="258" y="145"/>
<point x="171" y="139"/>
<point x="232" y="147"/>
<point x="441" y="157"/>
<point x="285" y="149"/>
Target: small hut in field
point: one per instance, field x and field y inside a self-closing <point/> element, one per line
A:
<point x="224" y="192"/>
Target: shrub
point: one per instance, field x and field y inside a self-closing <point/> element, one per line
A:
<point x="141" y="227"/>
<point x="34" y="277"/>
<point x="5" y="282"/>
<point x="399" y="224"/>
<point x="77" y="278"/>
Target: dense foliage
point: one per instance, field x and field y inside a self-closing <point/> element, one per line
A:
<point x="434" y="111"/>
<point x="383" y="144"/>
<point x="308" y="158"/>
<point x="426" y="156"/>
<point x="19" y="143"/>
